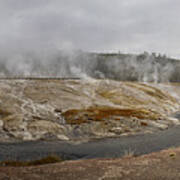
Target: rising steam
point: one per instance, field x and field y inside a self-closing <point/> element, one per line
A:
<point x="144" y="67"/>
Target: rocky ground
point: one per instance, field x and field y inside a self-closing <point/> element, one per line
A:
<point x="84" y="109"/>
<point x="163" y="165"/>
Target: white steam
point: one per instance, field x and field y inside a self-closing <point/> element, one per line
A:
<point x="77" y="64"/>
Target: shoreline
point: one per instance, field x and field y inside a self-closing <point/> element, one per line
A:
<point x="100" y="148"/>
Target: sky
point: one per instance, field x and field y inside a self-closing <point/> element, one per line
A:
<point x="129" y="26"/>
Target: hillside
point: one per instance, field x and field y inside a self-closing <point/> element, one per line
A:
<point x="84" y="109"/>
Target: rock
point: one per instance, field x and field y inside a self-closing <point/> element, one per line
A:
<point x="15" y="126"/>
<point x="143" y="123"/>
<point x="57" y="110"/>
<point x="13" y="122"/>
<point x="158" y="125"/>
<point x="62" y="137"/>
<point x="116" y="130"/>
<point x="1" y="123"/>
<point x="27" y="136"/>
<point x="40" y="127"/>
<point x="174" y="120"/>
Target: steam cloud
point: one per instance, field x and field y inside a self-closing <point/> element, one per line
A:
<point x="72" y="64"/>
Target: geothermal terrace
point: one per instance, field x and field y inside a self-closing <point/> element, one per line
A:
<point x="81" y="110"/>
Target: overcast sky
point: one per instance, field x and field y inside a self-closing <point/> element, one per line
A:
<point x="92" y="25"/>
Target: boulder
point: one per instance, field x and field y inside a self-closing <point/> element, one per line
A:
<point x="13" y="122"/>
<point x="39" y="128"/>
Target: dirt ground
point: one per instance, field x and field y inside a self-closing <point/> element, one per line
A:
<point x="156" y="166"/>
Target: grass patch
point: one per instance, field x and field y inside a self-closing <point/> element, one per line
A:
<point x="129" y="154"/>
<point x="47" y="160"/>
